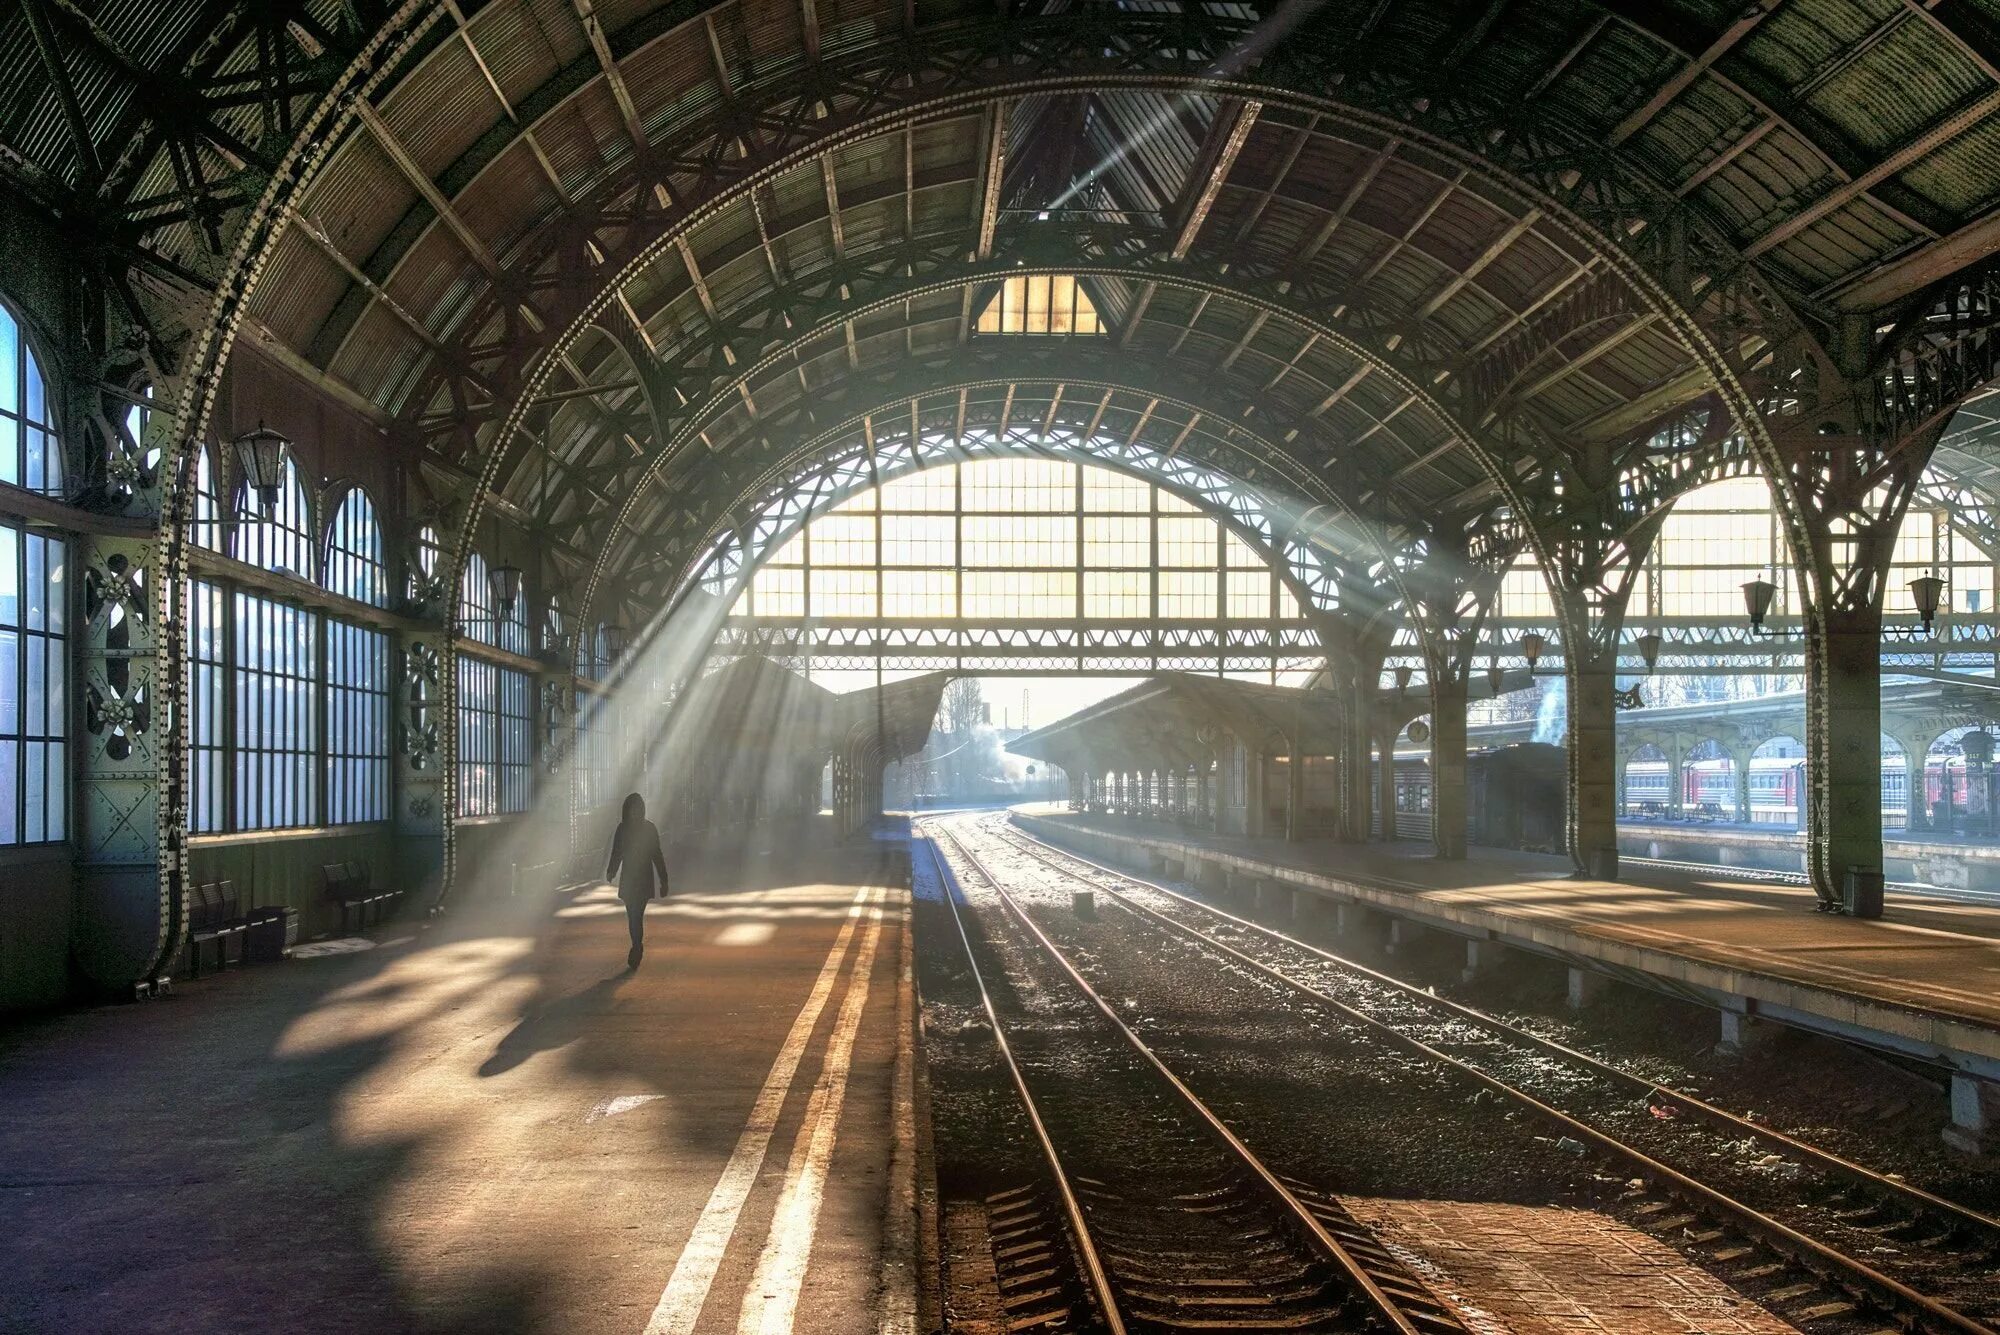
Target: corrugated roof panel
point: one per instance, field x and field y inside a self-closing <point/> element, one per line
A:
<point x="1903" y="84"/>
<point x="1963" y="174"/>
<point x="301" y="285"/>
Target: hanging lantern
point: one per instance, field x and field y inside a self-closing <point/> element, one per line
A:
<point x="614" y="642"/>
<point x="1496" y="676"/>
<point x="262" y="455"/>
<point x="1403" y="675"/>
<point x="1927" y="591"/>
<point x="1531" y="648"/>
<point x="1649" y="650"/>
<point x="506" y="590"/>
<point x="1757" y="596"/>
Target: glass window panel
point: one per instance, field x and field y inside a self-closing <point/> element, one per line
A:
<point x="778" y="592"/>
<point x="1118" y="541"/>
<point x="1019" y="541"/>
<point x="1019" y="594"/>
<point x="1250" y="594"/>
<point x="1106" y="490"/>
<point x="919" y="540"/>
<point x="33" y="698"/>
<point x="1239" y="554"/>
<point x="1188" y="542"/>
<point x="1118" y="594"/>
<point x="354" y="563"/>
<point x="30" y="451"/>
<point x="1188" y="594"/>
<point x="1171" y="504"/>
<point x="282" y="540"/>
<point x="277" y="680"/>
<point x="930" y="594"/>
<point x="843" y="540"/>
<point x="357" y="724"/>
<point x="930" y="489"/>
<point x="1035" y="485"/>
<point x="843" y="593"/>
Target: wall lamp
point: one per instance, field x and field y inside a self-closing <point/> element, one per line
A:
<point x="1926" y="591"/>
<point x="262" y="454"/>
<point x="506" y="589"/>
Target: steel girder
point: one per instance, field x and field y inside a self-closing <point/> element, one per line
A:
<point x="1880" y="392"/>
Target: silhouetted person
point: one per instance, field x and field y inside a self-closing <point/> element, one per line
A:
<point x="636" y="846"/>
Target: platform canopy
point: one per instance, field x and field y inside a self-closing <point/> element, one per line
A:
<point x="1178" y="719"/>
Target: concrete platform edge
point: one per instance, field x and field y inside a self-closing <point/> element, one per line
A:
<point x="1908" y="1029"/>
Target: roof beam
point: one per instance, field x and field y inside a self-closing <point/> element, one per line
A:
<point x="420" y="179"/>
<point x="58" y="72"/>
<point x="1227" y="136"/>
<point x="990" y="179"/>
<point x="1698" y="65"/>
<point x="614" y="78"/>
<point x="1973" y="113"/>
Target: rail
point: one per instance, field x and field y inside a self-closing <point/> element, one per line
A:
<point x="1391" y="1313"/>
<point x="1862" y="1279"/>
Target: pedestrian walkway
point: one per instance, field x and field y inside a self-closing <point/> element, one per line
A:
<point x="493" y="1126"/>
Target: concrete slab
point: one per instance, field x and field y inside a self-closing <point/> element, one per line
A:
<point x="1549" y="1270"/>
<point x="493" y="1127"/>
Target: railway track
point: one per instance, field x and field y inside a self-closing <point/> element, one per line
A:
<point x="1932" y="1261"/>
<point x="1174" y="1222"/>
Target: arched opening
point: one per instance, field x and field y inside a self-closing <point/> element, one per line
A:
<point x="1708" y="790"/>
<point x="1777" y="782"/>
<point x="1961" y="782"/>
<point x="1647" y="788"/>
<point x="1021" y="563"/>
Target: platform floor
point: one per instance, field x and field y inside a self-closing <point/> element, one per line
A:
<point x="1929" y="965"/>
<point x="490" y="1126"/>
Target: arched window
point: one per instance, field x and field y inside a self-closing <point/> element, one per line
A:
<point x="205" y="517"/>
<point x="30" y="453"/>
<point x="552" y="625"/>
<point x="282" y="540"/>
<point x="475" y="601"/>
<point x="429" y="559"/>
<point x="354" y="565"/>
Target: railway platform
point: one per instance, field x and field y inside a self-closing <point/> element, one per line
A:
<point x="491" y="1125"/>
<point x="1921" y="982"/>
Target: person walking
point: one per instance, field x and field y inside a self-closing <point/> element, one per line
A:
<point x="636" y="848"/>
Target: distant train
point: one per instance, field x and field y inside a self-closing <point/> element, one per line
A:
<point x="1533" y="778"/>
<point x="1709" y="786"/>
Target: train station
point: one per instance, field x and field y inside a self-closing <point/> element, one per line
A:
<point x="932" y="669"/>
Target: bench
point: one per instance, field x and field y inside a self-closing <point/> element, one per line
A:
<point x="349" y="885"/>
<point x="1708" y="811"/>
<point x="214" y="915"/>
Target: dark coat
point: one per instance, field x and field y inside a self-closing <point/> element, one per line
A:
<point x="636" y="845"/>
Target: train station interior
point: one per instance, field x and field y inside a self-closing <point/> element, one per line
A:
<point x="890" y="667"/>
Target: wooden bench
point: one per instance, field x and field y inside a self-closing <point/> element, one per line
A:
<point x="214" y="914"/>
<point x="349" y="885"/>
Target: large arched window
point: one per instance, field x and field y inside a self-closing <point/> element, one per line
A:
<point x="354" y="564"/>
<point x="475" y="601"/>
<point x="205" y="528"/>
<point x="495" y="703"/>
<point x="357" y="669"/>
<point x="30" y="452"/>
<point x="1018" y="539"/>
<point x="283" y="539"/>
